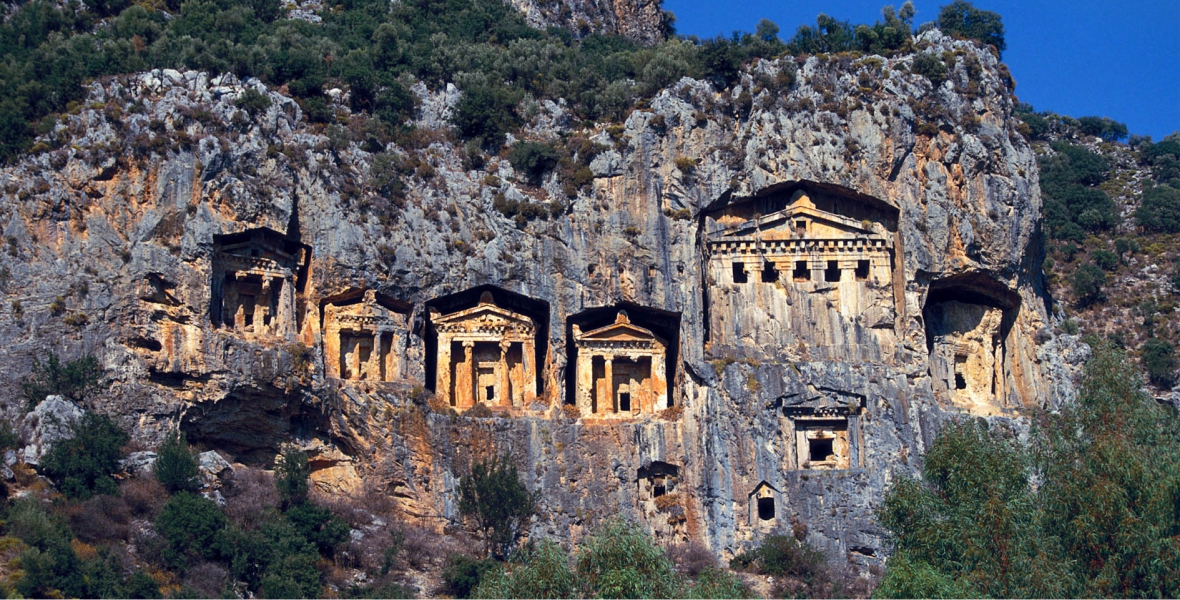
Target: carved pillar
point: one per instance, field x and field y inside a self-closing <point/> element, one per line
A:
<point x="355" y="366"/>
<point x="240" y="318"/>
<point x="465" y="385"/>
<point x="262" y="306"/>
<point x="585" y="382"/>
<point x="442" y="371"/>
<point x="284" y="324"/>
<point x="659" y="379"/>
<point x="375" y="359"/>
<point x="609" y="376"/>
<point x="332" y="344"/>
<point x="504" y="392"/>
<point x="528" y="359"/>
<point x="393" y="371"/>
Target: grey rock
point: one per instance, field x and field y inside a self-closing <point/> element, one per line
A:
<point x="49" y="423"/>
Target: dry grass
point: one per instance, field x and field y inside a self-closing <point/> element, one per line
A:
<point x="249" y="496"/>
<point x="143" y="496"/>
<point x="691" y="558"/>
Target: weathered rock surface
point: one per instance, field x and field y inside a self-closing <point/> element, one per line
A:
<point x="643" y="21"/>
<point x="120" y="221"/>
<point x="50" y="422"/>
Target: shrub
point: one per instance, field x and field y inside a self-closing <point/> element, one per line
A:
<point x="1087" y="284"/>
<point x="1102" y="127"/>
<point x="463" y="574"/>
<point x="253" y="102"/>
<point x="82" y="465"/>
<point x="716" y="583"/>
<point x="176" y="467"/>
<point x="191" y="524"/>
<point x="319" y="526"/>
<point x="485" y="113"/>
<point x="1105" y="259"/>
<point x="272" y="558"/>
<point x="494" y="497"/>
<point x="931" y="67"/>
<point x="73" y="379"/>
<point x="143" y="496"/>
<point x="691" y="558"/>
<point x="292" y="472"/>
<point x="963" y="19"/>
<point x="99" y="519"/>
<point x="1159" y="209"/>
<point x="782" y="556"/>
<point x="533" y="159"/>
<point x="1159" y="360"/>
<point x="541" y="572"/>
<point x="621" y="561"/>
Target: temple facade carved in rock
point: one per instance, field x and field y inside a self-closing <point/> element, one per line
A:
<point x="365" y="337"/>
<point x="485" y="355"/>
<point x="621" y="370"/>
<point x="258" y="279"/>
<point x="825" y="430"/>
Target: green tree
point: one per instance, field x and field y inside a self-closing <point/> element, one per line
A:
<point x="486" y="113"/>
<point x="1087" y="283"/>
<point x="1159" y="360"/>
<point x="176" y="467"/>
<point x="541" y="572"/>
<point x="499" y="503"/>
<point x="464" y="574"/>
<point x="963" y="19"/>
<point x="191" y="524"/>
<point x="82" y="465"/>
<point x="73" y="379"/>
<point x="1159" y="209"/>
<point x="533" y="159"/>
<point x="1105" y="259"/>
<point x="292" y="472"/>
<point x="621" y="561"/>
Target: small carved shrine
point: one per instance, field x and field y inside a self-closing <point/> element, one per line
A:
<point x="365" y="338"/>
<point x="485" y="355"/>
<point x="762" y="506"/>
<point x="660" y="501"/>
<point x="621" y="370"/>
<point x="258" y="276"/>
<point x="826" y="431"/>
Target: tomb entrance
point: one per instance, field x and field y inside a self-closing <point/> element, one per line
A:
<point x="365" y="336"/>
<point x="258" y="281"/>
<point x="485" y="355"/>
<point x="826" y="430"/>
<point x="621" y="369"/>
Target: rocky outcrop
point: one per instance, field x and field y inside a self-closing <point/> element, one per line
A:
<point x="793" y="396"/>
<point x="643" y="21"/>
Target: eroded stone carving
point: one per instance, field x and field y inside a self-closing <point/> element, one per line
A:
<point x="365" y="340"/>
<point x="485" y="355"/>
<point x="660" y="502"/>
<point x="763" y="506"/>
<point x="826" y="430"/>
<point x="804" y="257"/>
<point x="257" y="277"/>
<point x="621" y="370"/>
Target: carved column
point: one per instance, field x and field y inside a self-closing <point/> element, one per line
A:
<point x="466" y="393"/>
<point x="442" y="371"/>
<point x="659" y="379"/>
<point x="609" y="376"/>
<point x="332" y="344"/>
<point x="585" y="382"/>
<point x="375" y="359"/>
<point x="505" y="386"/>
<point x="528" y="360"/>
<point x="285" y="325"/>
<point x="262" y="306"/>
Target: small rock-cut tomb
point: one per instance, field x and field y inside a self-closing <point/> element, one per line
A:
<point x="257" y="277"/>
<point x="485" y="355"/>
<point x="621" y="370"/>
<point x="826" y="431"/>
<point x="365" y="337"/>
<point x="762" y="505"/>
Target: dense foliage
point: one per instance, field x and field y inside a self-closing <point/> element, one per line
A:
<point x="176" y="467"/>
<point x="72" y="379"/>
<point x="963" y="19"/>
<point x="493" y="496"/>
<point x="1090" y="510"/>
<point x="83" y="465"/>
<point x="1074" y="204"/>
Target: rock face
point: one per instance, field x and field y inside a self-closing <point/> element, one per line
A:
<point x="821" y="261"/>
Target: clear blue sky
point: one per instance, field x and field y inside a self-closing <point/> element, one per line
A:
<point x="1116" y="59"/>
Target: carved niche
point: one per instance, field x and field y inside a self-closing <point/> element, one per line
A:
<point x="825" y="429"/>
<point x="258" y="280"/>
<point x="661" y="502"/>
<point x="365" y="338"/>
<point x="621" y="370"/>
<point x="485" y="355"/>
<point x="762" y="506"/>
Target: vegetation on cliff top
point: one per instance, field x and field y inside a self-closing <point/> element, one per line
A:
<point x="376" y="50"/>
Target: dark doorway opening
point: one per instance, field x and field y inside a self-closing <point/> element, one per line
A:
<point x="832" y="273"/>
<point x="624" y="402"/>
<point x="801" y="272"/>
<point x="862" y="270"/>
<point x="766" y="508"/>
<point x="769" y="273"/>
<point x="820" y="449"/>
<point x="739" y="273"/>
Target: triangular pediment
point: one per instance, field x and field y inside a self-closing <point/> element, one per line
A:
<point x="763" y="487"/>
<point x="485" y="313"/>
<point x="619" y="331"/>
<point x="782" y="224"/>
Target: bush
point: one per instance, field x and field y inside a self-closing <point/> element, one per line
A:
<point x="1159" y="209"/>
<point x="1105" y="259"/>
<point x="931" y="67"/>
<point x="716" y="583"/>
<point x="1087" y="284"/>
<point x="253" y="102"/>
<point x="319" y="526"/>
<point x="541" y="572"/>
<point x="176" y="467"/>
<point x="191" y="524"/>
<point x="1102" y="127"/>
<point x="494" y="497"/>
<point x="782" y="556"/>
<point x="273" y="558"/>
<point x="73" y="379"/>
<point x="963" y="19"/>
<point x="291" y="474"/>
<point x="621" y="561"/>
<point x="82" y="465"/>
<point x="1159" y="360"/>
<point x="463" y="574"/>
<point x="533" y="159"/>
<point x="485" y="113"/>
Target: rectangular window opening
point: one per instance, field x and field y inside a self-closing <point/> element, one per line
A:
<point x="820" y="449"/>
<point x="801" y="272"/>
<point x="658" y="491"/>
<point x="832" y="273"/>
<point x="624" y="402"/>
<point x="862" y="270"/>
<point x="766" y="508"/>
<point x="769" y="273"/>
<point x="801" y="225"/>
<point x="490" y="391"/>
<point x="739" y="273"/>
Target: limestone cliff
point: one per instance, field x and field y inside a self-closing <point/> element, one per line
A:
<point x="642" y="21"/>
<point x="819" y="270"/>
